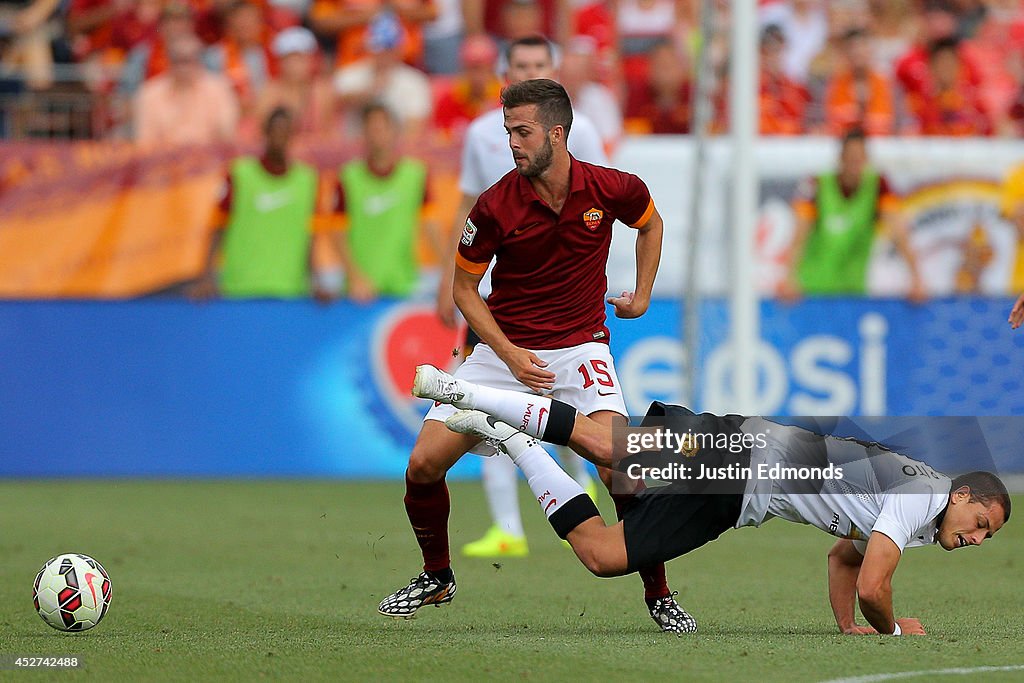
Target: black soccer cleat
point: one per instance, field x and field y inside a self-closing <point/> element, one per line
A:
<point x="425" y="589"/>
<point x="670" y="617"/>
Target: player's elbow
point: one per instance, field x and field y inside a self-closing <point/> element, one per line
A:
<point x="462" y="291"/>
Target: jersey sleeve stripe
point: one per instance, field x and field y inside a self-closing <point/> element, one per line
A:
<point x="642" y="221"/>
<point x="470" y="267"/>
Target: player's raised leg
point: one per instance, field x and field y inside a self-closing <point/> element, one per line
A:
<point x="538" y="416"/>
<point x="428" y="505"/>
<point x="571" y="512"/>
<point x="563" y="501"/>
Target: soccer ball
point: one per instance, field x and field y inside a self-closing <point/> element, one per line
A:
<point x="72" y="592"/>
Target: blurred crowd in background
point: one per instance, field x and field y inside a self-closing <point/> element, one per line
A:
<point x="194" y="71"/>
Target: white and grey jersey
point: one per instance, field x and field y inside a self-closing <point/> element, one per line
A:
<point x="877" y="490"/>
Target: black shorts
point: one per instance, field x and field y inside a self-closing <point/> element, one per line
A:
<point x="663" y="523"/>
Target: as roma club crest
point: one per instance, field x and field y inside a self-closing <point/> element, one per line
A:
<point x="592" y="219"/>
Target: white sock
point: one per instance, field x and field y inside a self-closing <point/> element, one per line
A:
<point x="573" y="463"/>
<point x="500" y="477"/>
<point x="526" y="412"/>
<point x="552" y="487"/>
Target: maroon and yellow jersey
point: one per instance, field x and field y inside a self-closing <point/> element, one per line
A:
<point x="549" y="282"/>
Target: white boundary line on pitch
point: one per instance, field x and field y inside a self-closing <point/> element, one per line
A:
<point x="873" y="678"/>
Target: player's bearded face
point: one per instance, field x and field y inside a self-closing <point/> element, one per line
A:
<point x="539" y="161"/>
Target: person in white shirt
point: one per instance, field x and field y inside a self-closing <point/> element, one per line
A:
<point x="382" y="77"/>
<point x="486" y="157"/>
<point x="738" y="472"/>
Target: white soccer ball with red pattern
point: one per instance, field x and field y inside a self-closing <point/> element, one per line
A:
<point x="72" y="592"/>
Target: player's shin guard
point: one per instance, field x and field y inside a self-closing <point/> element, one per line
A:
<point x="564" y="502"/>
<point x="428" y="506"/>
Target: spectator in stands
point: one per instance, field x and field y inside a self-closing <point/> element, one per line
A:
<point x="893" y="31"/>
<point x="520" y="18"/>
<point x="90" y="25"/>
<point x="783" y="101"/>
<point x="661" y="104"/>
<point x="186" y="105"/>
<point x="443" y="36"/>
<point x="352" y="21"/>
<point x="475" y="91"/>
<point x="492" y="17"/>
<point x="938" y="26"/>
<point x="104" y="31"/>
<point x="210" y="18"/>
<point x="264" y="223"/>
<point x="596" y="21"/>
<point x="298" y="87"/>
<point x="998" y="46"/>
<point x="643" y="23"/>
<point x="242" y="56"/>
<point x="949" y="103"/>
<point x="804" y="23"/>
<point x="134" y="26"/>
<point x="578" y="75"/>
<point x="384" y="198"/>
<point x="858" y="95"/>
<point x="836" y="218"/>
<point x="25" y="42"/>
<point x="383" y="77"/>
<point x="149" y="58"/>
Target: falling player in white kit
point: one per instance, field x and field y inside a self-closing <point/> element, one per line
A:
<point x="880" y="502"/>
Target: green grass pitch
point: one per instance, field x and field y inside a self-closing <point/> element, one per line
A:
<point x="280" y="580"/>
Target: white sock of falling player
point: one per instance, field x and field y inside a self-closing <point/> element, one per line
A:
<point x="563" y="500"/>
<point x="545" y="418"/>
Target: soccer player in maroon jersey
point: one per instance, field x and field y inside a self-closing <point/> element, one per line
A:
<point x="548" y="223"/>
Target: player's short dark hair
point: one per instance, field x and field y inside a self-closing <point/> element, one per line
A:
<point x="375" y="107"/>
<point x="553" y="105"/>
<point x="948" y="44"/>
<point x="854" y="33"/>
<point x="529" y="41"/>
<point x="275" y="114"/>
<point x="854" y="134"/>
<point x="987" y="489"/>
<point x="237" y="6"/>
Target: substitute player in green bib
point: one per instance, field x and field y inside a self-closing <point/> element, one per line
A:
<point x="384" y="197"/>
<point x="836" y="218"/>
<point x="267" y="211"/>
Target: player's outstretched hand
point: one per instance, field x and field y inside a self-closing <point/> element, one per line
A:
<point x="529" y="369"/>
<point x="446" y="308"/>
<point x="910" y="626"/>
<point x="857" y="630"/>
<point x="628" y="306"/>
<point x="1017" y="313"/>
